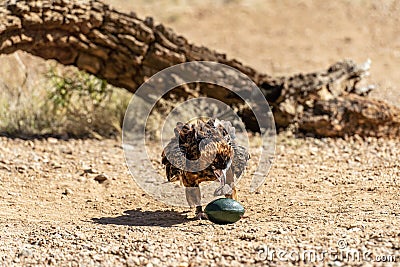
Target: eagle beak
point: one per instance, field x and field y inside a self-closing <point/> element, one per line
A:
<point x="221" y="175"/>
<point x="218" y="173"/>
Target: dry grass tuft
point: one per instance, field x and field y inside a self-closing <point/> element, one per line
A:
<point x="64" y="102"/>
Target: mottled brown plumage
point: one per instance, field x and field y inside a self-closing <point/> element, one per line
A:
<point x="204" y="151"/>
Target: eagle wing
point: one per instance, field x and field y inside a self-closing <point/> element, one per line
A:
<point x="174" y="163"/>
<point x="240" y="159"/>
<point x="181" y="153"/>
<point x="173" y="155"/>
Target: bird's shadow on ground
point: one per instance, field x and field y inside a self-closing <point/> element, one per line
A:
<point x="138" y="217"/>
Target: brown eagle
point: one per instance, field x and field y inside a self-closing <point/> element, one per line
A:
<point x="204" y="151"/>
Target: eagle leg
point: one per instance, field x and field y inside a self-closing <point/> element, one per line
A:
<point x="200" y="215"/>
<point x="193" y="197"/>
<point x="230" y="179"/>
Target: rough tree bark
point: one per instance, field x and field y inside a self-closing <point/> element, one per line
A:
<point x="125" y="51"/>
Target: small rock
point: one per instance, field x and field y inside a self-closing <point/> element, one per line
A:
<point x="68" y="191"/>
<point x="97" y="257"/>
<point x="80" y="235"/>
<point x="6" y="162"/>
<point x="89" y="170"/>
<point x="56" y="165"/>
<point x="143" y="260"/>
<point x="155" y="261"/>
<point x="51" y="261"/>
<point x="24" y="253"/>
<point x="354" y="229"/>
<point x="132" y="261"/>
<point x="22" y="168"/>
<point x="13" y="194"/>
<point x="101" y="178"/>
<point x="5" y="167"/>
<point x="67" y="151"/>
<point x="52" y="140"/>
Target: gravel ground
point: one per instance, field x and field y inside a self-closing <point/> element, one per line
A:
<point x="323" y="197"/>
<point x="329" y="196"/>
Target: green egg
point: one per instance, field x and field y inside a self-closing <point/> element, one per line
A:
<point x="224" y="211"/>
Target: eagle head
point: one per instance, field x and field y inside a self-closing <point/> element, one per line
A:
<point x="218" y="155"/>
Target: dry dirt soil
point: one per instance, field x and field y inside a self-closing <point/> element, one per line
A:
<point x="330" y="202"/>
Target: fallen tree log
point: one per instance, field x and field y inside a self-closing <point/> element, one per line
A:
<point x="125" y="51"/>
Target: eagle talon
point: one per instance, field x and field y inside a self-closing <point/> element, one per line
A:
<point x="223" y="190"/>
<point x="200" y="215"/>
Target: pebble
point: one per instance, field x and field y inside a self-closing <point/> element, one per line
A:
<point x="132" y="261"/>
<point x="89" y="170"/>
<point x="25" y="253"/>
<point x="5" y="167"/>
<point x="14" y="194"/>
<point x="5" y="161"/>
<point x="22" y="168"/>
<point x="56" y="165"/>
<point x="68" y="191"/>
<point x="52" y="140"/>
<point x="355" y="229"/>
<point x="101" y="178"/>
